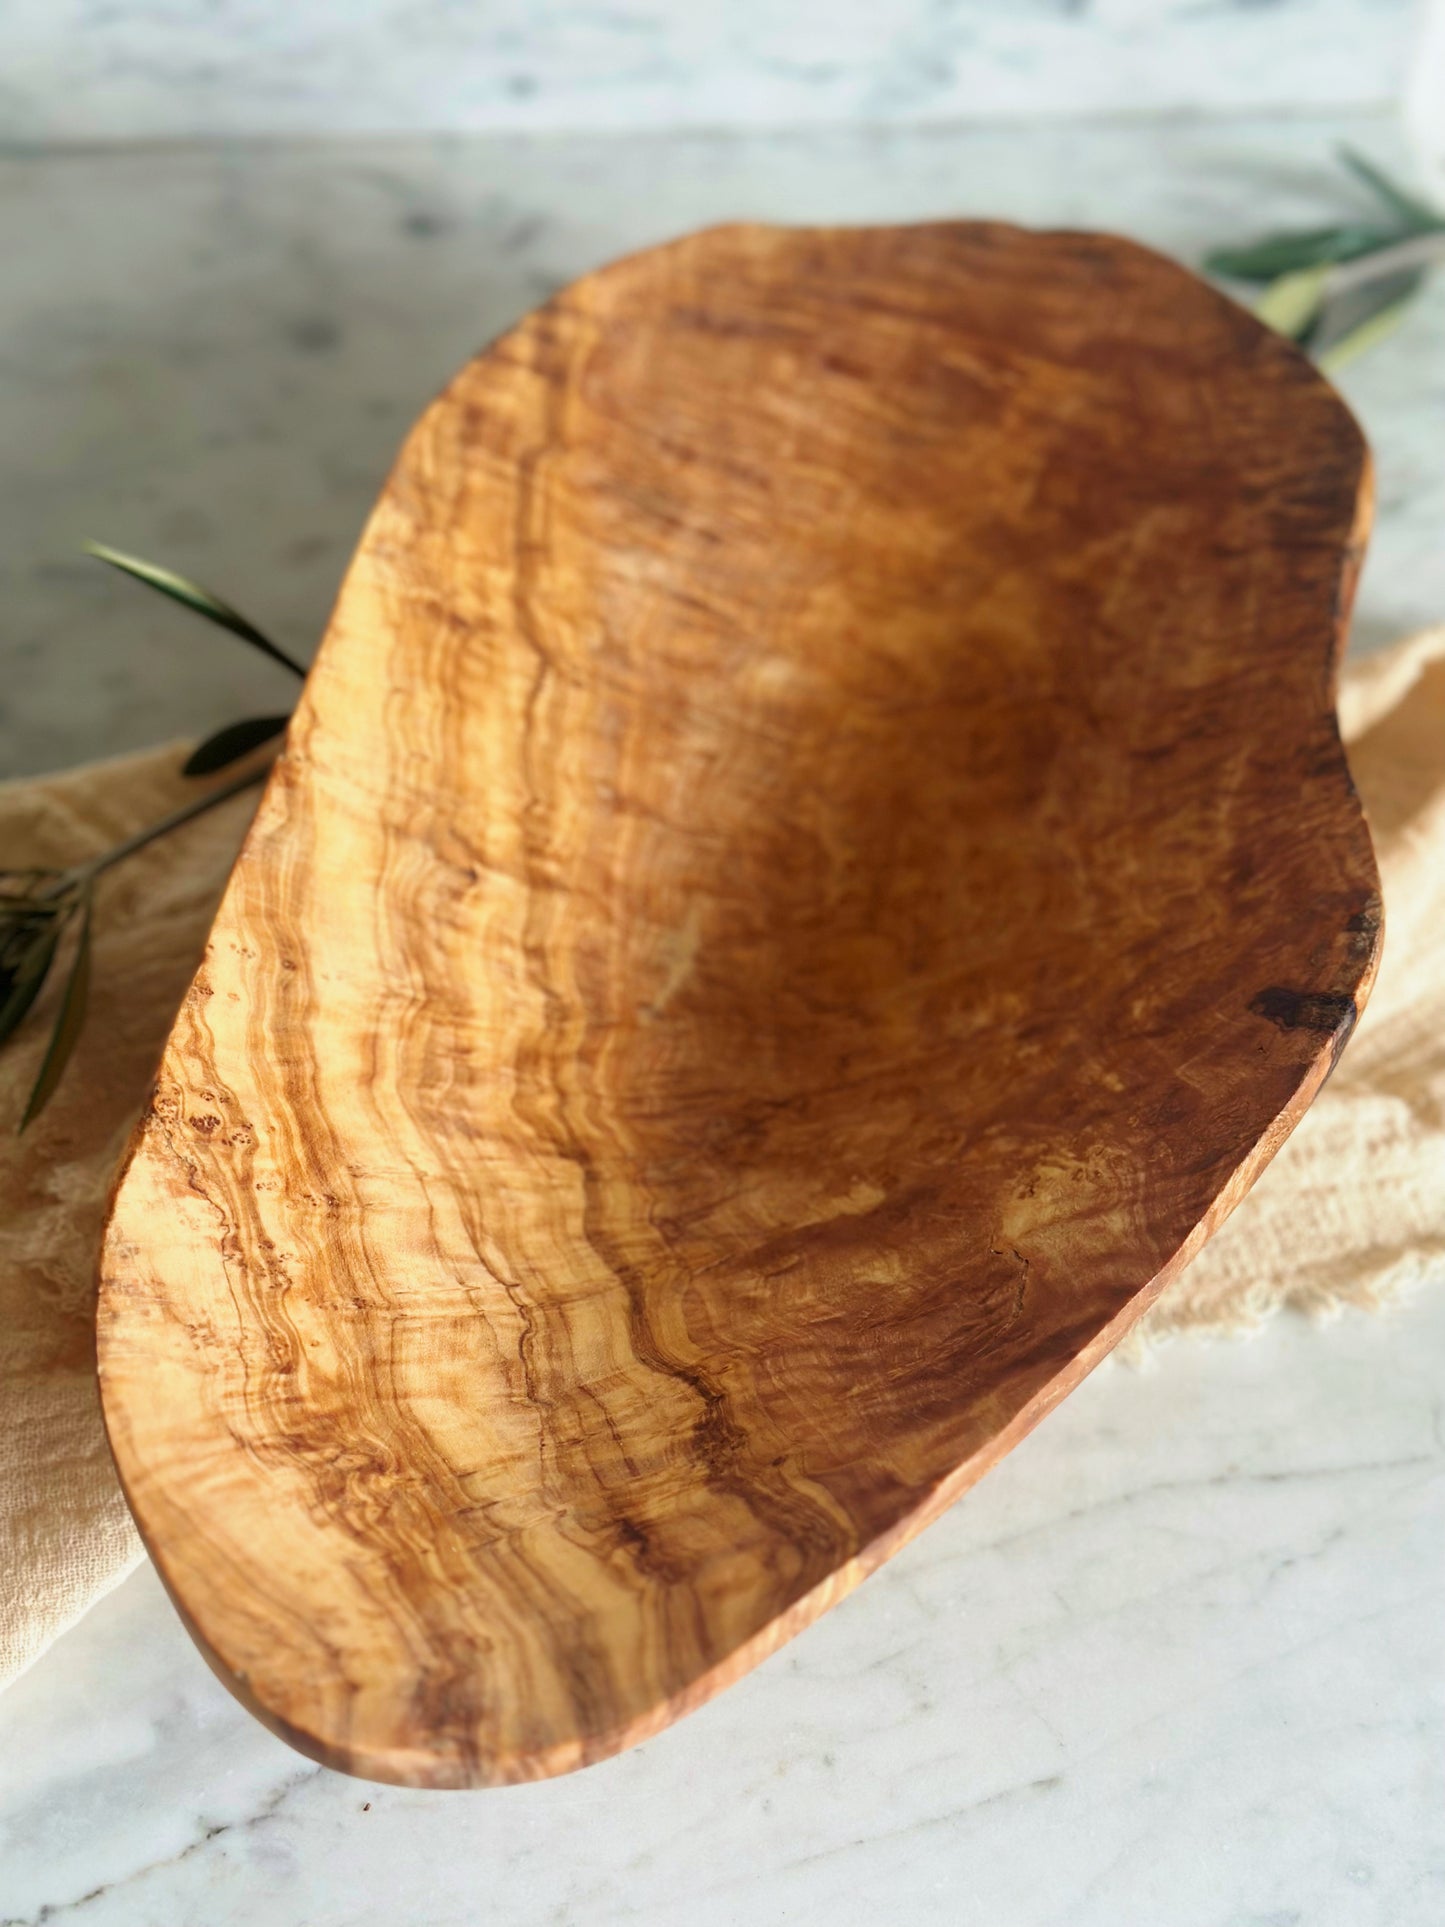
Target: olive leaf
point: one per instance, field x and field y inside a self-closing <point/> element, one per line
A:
<point x="1291" y="303"/>
<point x="30" y="930"/>
<point x="1409" y="208"/>
<point x="25" y="985"/>
<point x="230" y="744"/>
<point x="192" y="596"/>
<point x="1335" y="291"/>
<point x="1290" y="253"/>
<point x="68" y="1022"/>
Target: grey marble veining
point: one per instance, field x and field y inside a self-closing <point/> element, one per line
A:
<point x="209" y="355"/>
<point x="154" y="69"/>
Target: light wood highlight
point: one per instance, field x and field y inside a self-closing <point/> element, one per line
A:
<point x="814" y="866"/>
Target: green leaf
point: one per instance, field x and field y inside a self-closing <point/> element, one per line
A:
<point x="192" y="596"/>
<point x="27" y="919"/>
<point x="68" y="1025"/>
<point x="25" y="984"/>
<point x="1359" y="321"/>
<point x="230" y="744"/>
<point x="1415" y="213"/>
<point x="1288" y="253"/>
<point x="1291" y="303"/>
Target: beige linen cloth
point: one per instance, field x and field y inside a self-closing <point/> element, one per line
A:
<point x="1352" y="1208"/>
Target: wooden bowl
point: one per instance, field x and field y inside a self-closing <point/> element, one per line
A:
<point x="813" y="868"/>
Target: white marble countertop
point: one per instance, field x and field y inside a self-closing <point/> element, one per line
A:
<point x="1179" y="1660"/>
<point x="154" y="69"/>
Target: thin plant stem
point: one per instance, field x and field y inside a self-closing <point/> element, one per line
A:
<point x="85" y="872"/>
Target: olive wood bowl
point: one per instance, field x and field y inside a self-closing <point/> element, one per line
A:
<point x="813" y="868"/>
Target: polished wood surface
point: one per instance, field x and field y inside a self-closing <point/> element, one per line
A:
<point x="814" y="866"/>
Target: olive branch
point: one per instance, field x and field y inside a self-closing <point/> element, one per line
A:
<point x="38" y="908"/>
<point x="1338" y="290"/>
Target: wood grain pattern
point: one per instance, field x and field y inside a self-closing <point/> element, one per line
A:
<point x="814" y="866"/>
